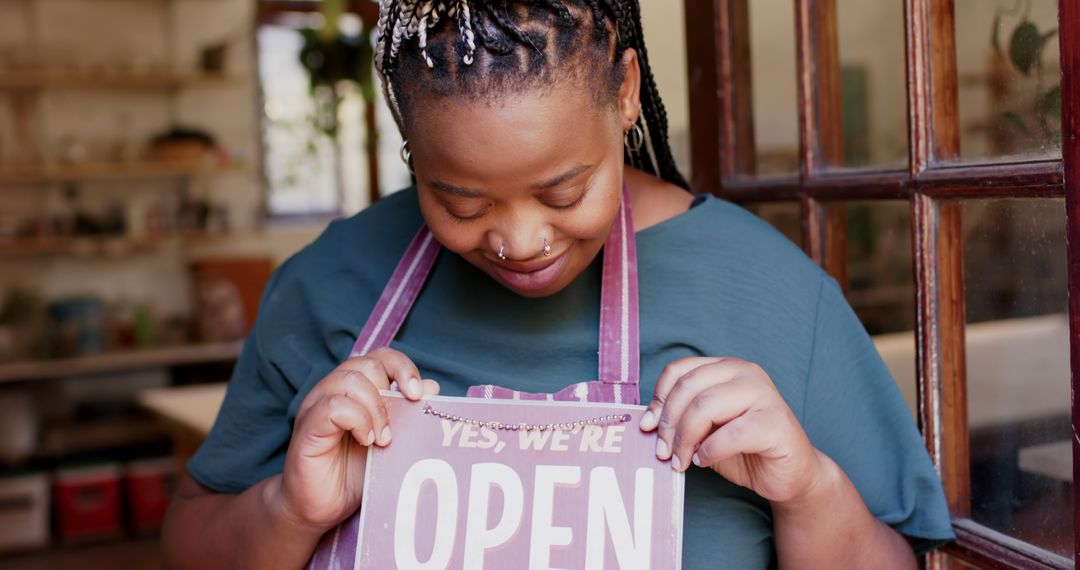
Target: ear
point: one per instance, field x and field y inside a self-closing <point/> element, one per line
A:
<point x="630" y="90"/>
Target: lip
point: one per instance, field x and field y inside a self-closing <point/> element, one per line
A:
<point x="532" y="276"/>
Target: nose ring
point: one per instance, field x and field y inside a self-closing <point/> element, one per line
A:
<point x="502" y="248"/>
<point x="547" y="248"/>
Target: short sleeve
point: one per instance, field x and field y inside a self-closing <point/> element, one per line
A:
<point x="855" y="414"/>
<point x="251" y="433"/>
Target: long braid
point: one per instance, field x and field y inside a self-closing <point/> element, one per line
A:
<point x="655" y="113"/>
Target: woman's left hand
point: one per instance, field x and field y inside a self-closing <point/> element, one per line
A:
<point x="726" y="414"/>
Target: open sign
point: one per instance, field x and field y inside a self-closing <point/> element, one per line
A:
<point x="451" y="493"/>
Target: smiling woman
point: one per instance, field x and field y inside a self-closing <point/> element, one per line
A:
<point x="546" y="202"/>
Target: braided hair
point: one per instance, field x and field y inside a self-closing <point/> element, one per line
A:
<point x="486" y="48"/>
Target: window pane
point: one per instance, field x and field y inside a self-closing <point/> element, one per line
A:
<point x="873" y="84"/>
<point x="299" y="158"/>
<point x="881" y="284"/>
<point x="1008" y="68"/>
<point x="772" y="55"/>
<point x="880" y="279"/>
<point x="1018" y="370"/>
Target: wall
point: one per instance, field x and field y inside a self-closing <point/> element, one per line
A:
<point x="85" y="34"/>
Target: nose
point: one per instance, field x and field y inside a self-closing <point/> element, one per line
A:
<point x="520" y="238"/>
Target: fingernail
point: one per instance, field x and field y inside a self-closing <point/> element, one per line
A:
<point x="647" y="420"/>
<point x="696" y="460"/>
<point x="386" y="435"/>
<point x="414" y="387"/>
<point x="661" y="449"/>
<point x="370" y="438"/>
<point x="675" y="463"/>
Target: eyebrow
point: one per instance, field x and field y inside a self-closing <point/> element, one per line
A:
<point x="556" y="180"/>
<point x="543" y="185"/>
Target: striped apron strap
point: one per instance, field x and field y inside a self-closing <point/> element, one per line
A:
<point x="620" y="353"/>
<point x="399" y="294"/>
<point x="620" y="356"/>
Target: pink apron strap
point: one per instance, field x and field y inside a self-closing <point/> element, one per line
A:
<point x="620" y="355"/>
<point x="399" y="294"/>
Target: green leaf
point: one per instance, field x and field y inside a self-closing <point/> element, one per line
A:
<point x="1045" y="38"/>
<point x="1049" y="103"/>
<point x="995" y="33"/>
<point x="1025" y="45"/>
<point x="1016" y="121"/>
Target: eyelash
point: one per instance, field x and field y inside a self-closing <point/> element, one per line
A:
<point x="577" y="201"/>
<point x="465" y="219"/>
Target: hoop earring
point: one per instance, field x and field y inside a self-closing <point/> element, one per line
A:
<point x="634" y="138"/>
<point x="406" y="155"/>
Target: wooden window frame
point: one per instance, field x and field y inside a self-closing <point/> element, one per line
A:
<point x="722" y="144"/>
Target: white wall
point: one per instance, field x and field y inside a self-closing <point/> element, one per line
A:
<point x="85" y="35"/>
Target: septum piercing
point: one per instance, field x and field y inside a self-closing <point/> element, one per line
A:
<point x="502" y="250"/>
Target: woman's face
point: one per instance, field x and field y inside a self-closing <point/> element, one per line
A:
<point x="512" y="174"/>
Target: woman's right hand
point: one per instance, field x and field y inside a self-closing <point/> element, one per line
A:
<point x="323" y="478"/>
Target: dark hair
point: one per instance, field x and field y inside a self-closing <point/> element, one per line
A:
<point x="486" y="48"/>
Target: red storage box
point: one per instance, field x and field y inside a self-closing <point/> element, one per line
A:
<point x="87" y="502"/>
<point x="148" y="486"/>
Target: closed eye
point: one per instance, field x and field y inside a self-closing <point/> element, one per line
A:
<point x="567" y="202"/>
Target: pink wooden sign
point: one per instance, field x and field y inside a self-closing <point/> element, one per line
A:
<point x="450" y="494"/>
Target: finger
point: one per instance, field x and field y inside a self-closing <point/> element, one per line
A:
<point x="330" y="417"/>
<point x="431" y="388"/>
<point x="348" y="379"/>
<point x="754" y="433"/>
<point x="355" y="387"/>
<point x="710" y="409"/>
<point x="686" y="389"/>
<point x="671" y="374"/>
<point x="400" y="368"/>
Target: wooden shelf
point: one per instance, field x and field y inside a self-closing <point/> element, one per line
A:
<point x="120" y="361"/>
<point x="105" y="171"/>
<point x="69" y="438"/>
<point x="100" y="246"/>
<point x="69" y="79"/>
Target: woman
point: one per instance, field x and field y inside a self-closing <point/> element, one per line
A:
<point x="522" y="122"/>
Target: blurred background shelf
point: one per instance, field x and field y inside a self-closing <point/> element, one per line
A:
<point x="120" y="361"/>
<point x="92" y="246"/>
<point x="104" y="171"/>
<point x="80" y="437"/>
<point x="71" y="79"/>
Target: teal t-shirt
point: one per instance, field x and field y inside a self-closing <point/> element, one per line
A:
<point x="714" y="281"/>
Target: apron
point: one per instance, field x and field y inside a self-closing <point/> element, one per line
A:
<point x="620" y="357"/>
<point x="619" y="354"/>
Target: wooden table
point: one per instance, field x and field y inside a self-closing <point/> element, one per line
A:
<point x="188" y="413"/>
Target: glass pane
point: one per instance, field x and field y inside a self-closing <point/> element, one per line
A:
<point x="300" y="161"/>
<point x="773" y="72"/>
<point x="1018" y="370"/>
<point x="314" y="165"/>
<point x="873" y="84"/>
<point x="784" y="216"/>
<point x="881" y="284"/>
<point x="1008" y="66"/>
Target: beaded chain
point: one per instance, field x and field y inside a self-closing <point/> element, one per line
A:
<point x="599" y="420"/>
